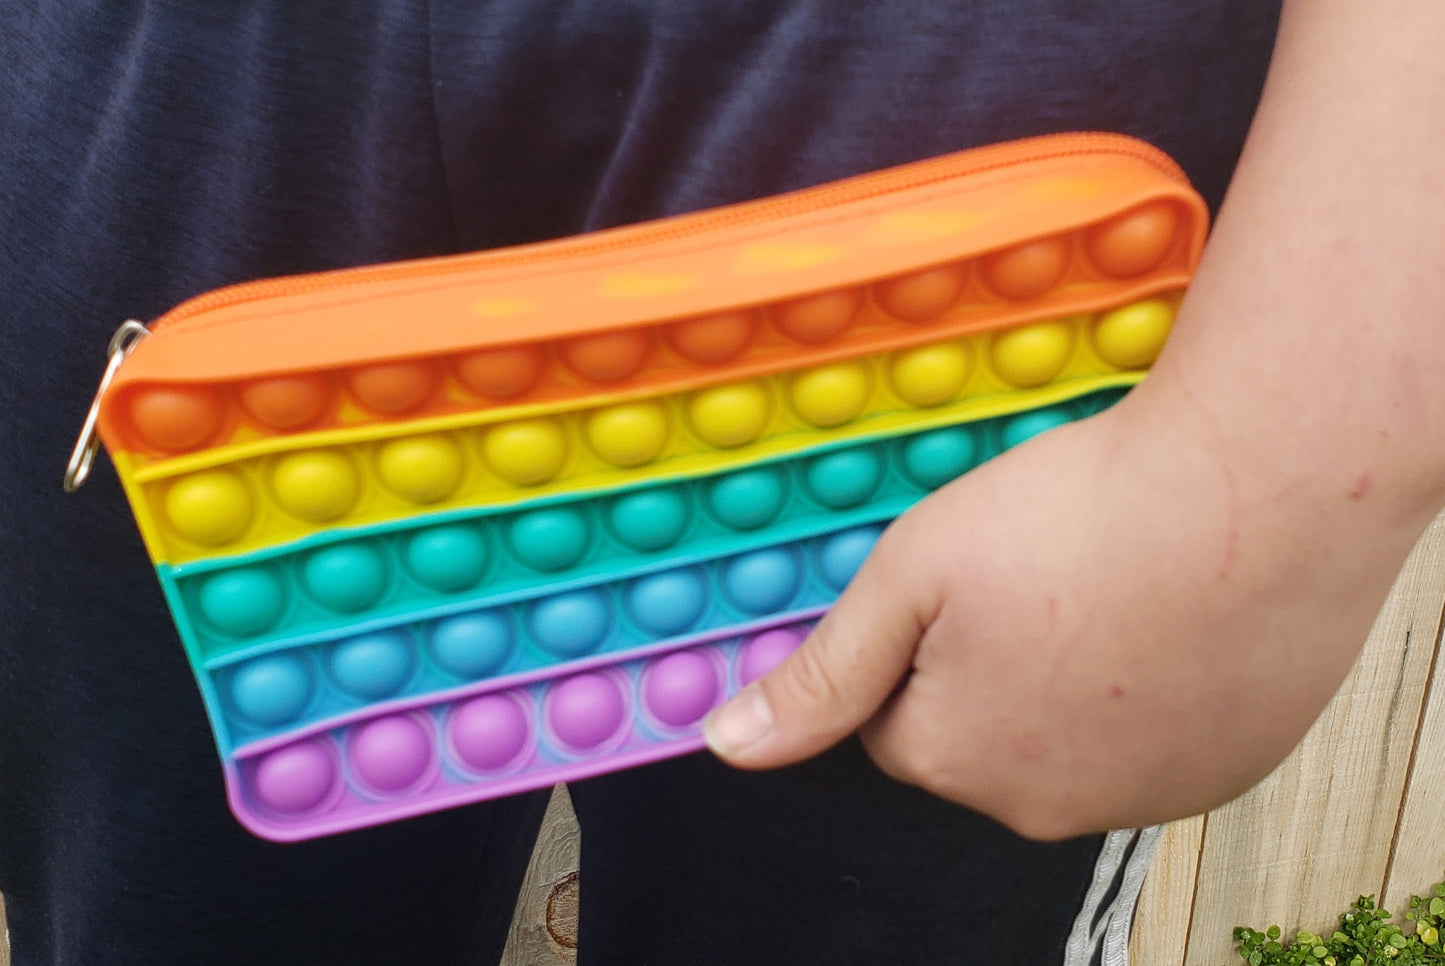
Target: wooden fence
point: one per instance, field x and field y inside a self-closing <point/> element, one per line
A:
<point x="1359" y="808"/>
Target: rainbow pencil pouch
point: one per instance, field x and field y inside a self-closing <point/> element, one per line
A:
<point x="445" y="530"/>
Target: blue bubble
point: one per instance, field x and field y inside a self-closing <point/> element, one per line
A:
<point x="271" y="690"/>
<point x="570" y="625"/>
<point x="448" y="558"/>
<point x="650" y="520"/>
<point x="1025" y="427"/>
<point x="549" y="540"/>
<point x="842" y="554"/>
<point x="844" y="479"/>
<point x="934" y="458"/>
<point x="347" y="578"/>
<point x="242" y="602"/>
<point x="374" y="665"/>
<point x="748" y="499"/>
<point x="667" y="603"/>
<point x="472" y="645"/>
<point x="763" y="581"/>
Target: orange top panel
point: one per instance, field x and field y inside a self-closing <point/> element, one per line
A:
<point x="1014" y="232"/>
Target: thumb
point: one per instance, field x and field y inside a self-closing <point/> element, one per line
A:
<point x="836" y="679"/>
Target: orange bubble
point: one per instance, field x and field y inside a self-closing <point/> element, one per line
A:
<point x="287" y="402"/>
<point x="1134" y="242"/>
<point x="1026" y="270"/>
<point x="818" y="318"/>
<point x="923" y="295"/>
<point x="609" y="357"/>
<point x="392" y="388"/>
<point x="176" y="417"/>
<point x="501" y="373"/>
<point x="711" y="339"/>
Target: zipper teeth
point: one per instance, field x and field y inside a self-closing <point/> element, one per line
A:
<point x="856" y="189"/>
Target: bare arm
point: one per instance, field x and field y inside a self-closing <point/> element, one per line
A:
<point x="1135" y="618"/>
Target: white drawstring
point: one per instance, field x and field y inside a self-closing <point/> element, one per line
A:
<point x="1112" y="930"/>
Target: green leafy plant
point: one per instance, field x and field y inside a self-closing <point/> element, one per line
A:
<point x="1366" y="937"/>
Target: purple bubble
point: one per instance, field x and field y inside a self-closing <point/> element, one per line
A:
<point x="584" y="711"/>
<point x="390" y="754"/>
<point x="488" y="732"/>
<point x="766" y="651"/>
<point x="296" y="778"/>
<point x="680" y="688"/>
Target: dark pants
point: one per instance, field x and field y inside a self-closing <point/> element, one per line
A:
<point x="150" y="151"/>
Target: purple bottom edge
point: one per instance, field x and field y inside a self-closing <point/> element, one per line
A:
<point x="440" y="799"/>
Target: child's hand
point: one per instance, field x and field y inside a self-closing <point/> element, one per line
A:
<point x="1110" y="625"/>
<point x="1136" y="617"/>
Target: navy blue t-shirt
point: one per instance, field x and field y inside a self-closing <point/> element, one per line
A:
<point x="151" y="151"/>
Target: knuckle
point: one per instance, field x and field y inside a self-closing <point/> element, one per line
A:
<point x="903" y="758"/>
<point x="810" y="680"/>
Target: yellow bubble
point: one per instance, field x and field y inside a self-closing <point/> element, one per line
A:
<point x="317" y="486"/>
<point x="629" y="434"/>
<point x="526" y="452"/>
<point x="212" y="507"/>
<point x="831" y="395"/>
<point x="730" y="415"/>
<point x="931" y="375"/>
<point x="423" y="469"/>
<point x="1131" y="337"/>
<point x="1033" y="355"/>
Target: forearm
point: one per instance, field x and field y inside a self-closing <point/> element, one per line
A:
<point x="1312" y="344"/>
<point x="1168" y="594"/>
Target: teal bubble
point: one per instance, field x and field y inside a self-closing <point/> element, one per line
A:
<point x="373" y="666"/>
<point x="346" y="578"/>
<point x="447" y="558"/>
<point x="271" y="690"/>
<point x="667" y="603"/>
<point x="1026" y="426"/>
<point x="844" y="479"/>
<point x="840" y="556"/>
<point x="472" y="645"/>
<point x="1099" y="401"/>
<point x="242" y="602"/>
<point x="572" y="624"/>
<point x="650" y="520"/>
<point x="549" y="540"/>
<point x="934" y="458"/>
<point x="747" y="499"/>
<point x="763" y="581"/>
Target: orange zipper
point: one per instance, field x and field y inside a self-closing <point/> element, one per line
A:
<point x="859" y="188"/>
<point x="610" y="278"/>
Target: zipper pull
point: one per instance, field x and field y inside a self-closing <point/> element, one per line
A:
<point x="126" y="338"/>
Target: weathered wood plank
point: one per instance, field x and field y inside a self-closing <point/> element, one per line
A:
<point x="4" y="936"/>
<point x="1418" y="859"/>
<point x="1302" y="845"/>
<point x="1166" y="903"/>
<point x="544" y="925"/>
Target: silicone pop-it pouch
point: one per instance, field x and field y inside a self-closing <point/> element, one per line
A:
<point x="445" y="530"/>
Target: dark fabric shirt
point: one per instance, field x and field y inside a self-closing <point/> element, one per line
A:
<point x="151" y="151"/>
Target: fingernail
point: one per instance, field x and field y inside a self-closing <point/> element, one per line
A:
<point x="741" y="722"/>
